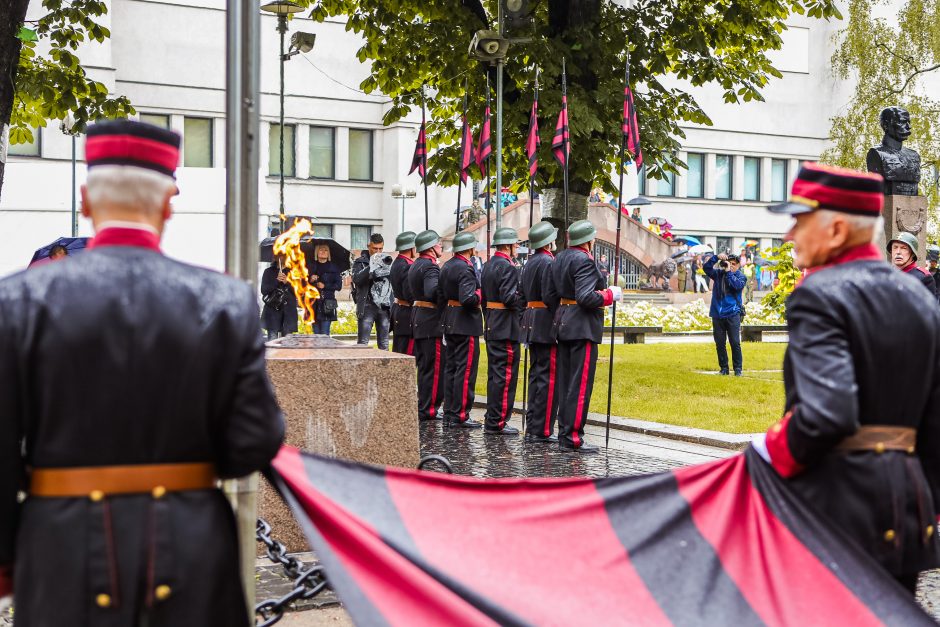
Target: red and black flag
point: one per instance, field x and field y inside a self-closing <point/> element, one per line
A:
<point x="419" y="161"/>
<point x="533" y="141"/>
<point x="466" y="146"/>
<point x="484" y="147"/>
<point x="631" y="130"/>
<point x="723" y="543"/>
<point x="561" y="144"/>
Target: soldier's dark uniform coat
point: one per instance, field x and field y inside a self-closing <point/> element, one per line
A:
<point x="463" y="326"/>
<point x="402" y="341"/>
<point x="500" y="280"/>
<point x="423" y="281"/>
<point x="922" y="275"/>
<point x="864" y="350"/>
<point x="122" y="356"/>
<point x="537" y="286"/>
<point x="578" y="329"/>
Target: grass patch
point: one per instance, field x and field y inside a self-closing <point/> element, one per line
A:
<point x="670" y="383"/>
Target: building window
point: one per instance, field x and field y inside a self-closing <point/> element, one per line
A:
<point x="274" y="150"/>
<point x="723" y="176"/>
<point x="641" y="180"/>
<point x="778" y="180"/>
<point x="323" y="230"/>
<point x="360" y="237"/>
<point x="776" y="242"/>
<point x="667" y="186"/>
<point x="751" y="178"/>
<point x="32" y="149"/>
<point x="322" y="142"/>
<point x="163" y="121"/>
<point x="722" y="244"/>
<point x="695" y="188"/>
<point x="360" y="155"/>
<point x="197" y="142"/>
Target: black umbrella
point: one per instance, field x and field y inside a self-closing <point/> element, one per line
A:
<point x="338" y="254"/>
<point x="266" y="252"/>
<point x="72" y="245"/>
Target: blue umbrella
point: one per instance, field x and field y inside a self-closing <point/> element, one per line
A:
<point x="72" y="245"/>
<point x="688" y="239"/>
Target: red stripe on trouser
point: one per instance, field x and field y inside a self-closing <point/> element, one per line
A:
<point x="585" y="373"/>
<point x="437" y="377"/>
<point x="551" y="392"/>
<point x="466" y="379"/>
<point x="502" y="413"/>
<point x="411" y="347"/>
<point x="761" y="554"/>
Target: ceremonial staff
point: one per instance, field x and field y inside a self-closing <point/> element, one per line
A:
<point x="532" y="146"/>
<point x="561" y="146"/>
<point x="419" y="161"/>
<point x="466" y="149"/>
<point x="484" y="150"/>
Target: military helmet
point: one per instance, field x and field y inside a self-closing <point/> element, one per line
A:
<point x="933" y="252"/>
<point x="541" y="235"/>
<point x="405" y="241"/>
<point x="464" y="241"/>
<point x="505" y="237"/>
<point x="425" y="240"/>
<point x="908" y="240"/>
<point x="581" y="232"/>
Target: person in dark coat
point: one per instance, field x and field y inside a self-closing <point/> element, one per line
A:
<point x="860" y="436"/>
<point x="279" y="312"/>
<point x="125" y="392"/>
<point x="428" y="308"/>
<point x="578" y="328"/>
<point x="402" y="341"/>
<point x="463" y="326"/>
<point x="367" y="311"/>
<point x="541" y="304"/>
<point x="325" y="276"/>
<point x="902" y="252"/>
<point x="504" y="305"/>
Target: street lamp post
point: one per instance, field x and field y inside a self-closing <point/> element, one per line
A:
<point x="68" y="127"/>
<point x="398" y="192"/>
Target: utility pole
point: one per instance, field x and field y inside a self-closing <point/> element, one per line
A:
<point x="500" y="62"/>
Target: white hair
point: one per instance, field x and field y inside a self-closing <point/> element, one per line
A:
<point x="858" y="223"/>
<point x="128" y="187"/>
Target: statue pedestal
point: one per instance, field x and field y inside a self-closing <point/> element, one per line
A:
<point x="906" y="213"/>
<point x="343" y="401"/>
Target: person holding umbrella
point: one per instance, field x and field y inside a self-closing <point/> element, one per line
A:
<point x="279" y="314"/>
<point x="324" y="274"/>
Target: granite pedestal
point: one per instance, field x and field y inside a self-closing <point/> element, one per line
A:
<point x="343" y="401"/>
<point x="906" y="213"/>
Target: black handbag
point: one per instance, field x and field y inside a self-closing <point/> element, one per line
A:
<point x="329" y="307"/>
<point x="276" y="298"/>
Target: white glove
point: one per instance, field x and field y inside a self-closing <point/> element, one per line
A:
<point x="759" y="442"/>
<point x="5" y="603"/>
<point x="617" y="292"/>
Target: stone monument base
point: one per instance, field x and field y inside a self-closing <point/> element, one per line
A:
<point x="340" y="400"/>
<point x="906" y="213"/>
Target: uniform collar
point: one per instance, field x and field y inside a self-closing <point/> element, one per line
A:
<point x="583" y="250"/>
<point x="500" y="253"/>
<point x="409" y="260"/>
<point x="118" y="233"/>
<point x="545" y="251"/>
<point x="460" y="256"/>
<point x="910" y="267"/>
<point x="862" y="252"/>
<point x="429" y="257"/>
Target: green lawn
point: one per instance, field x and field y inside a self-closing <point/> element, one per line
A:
<point x="668" y="383"/>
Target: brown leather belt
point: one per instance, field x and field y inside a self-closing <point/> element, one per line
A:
<point x="536" y="304"/>
<point x="495" y="306"/>
<point x="425" y="304"/>
<point x="880" y="438"/>
<point x="568" y="301"/>
<point x="403" y="303"/>
<point x="96" y="482"/>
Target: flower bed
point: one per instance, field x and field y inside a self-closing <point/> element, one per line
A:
<point x="690" y="317"/>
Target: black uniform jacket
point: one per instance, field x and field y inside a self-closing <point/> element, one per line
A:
<point x="922" y="275"/>
<point x="423" y="280"/>
<point x="864" y="350"/>
<point x="576" y="277"/>
<point x="501" y="285"/>
<point x="398" y="277"/>
<point x="459" y="283"/>
<point x="537" y="286"/>
<point x="123" y="356"/>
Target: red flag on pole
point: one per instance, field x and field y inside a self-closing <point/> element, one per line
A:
<point x="561" y="147"/>
<point x="631" y="130"/>
<point x="532" y="144"/>
<point x="466" y="149"/>
<point x="484" y="148"/>
<point x="421" y="151"/>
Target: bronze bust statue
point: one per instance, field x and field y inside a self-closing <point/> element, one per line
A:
<point x="899" y="166"/>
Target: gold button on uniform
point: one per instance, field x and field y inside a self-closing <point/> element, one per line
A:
<point x="158" y="492"/>
<point x="929" y="531"/>
<point x="880" y="448"/>
<point x="890" y="535"/>
<point x="103" y="600"/>
<point x="162" y="592"/>
<point x="96" y="495"/>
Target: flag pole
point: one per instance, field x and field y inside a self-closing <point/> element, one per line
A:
<point x="424" y="161"/>
<point x="525" y="358"/>
<point x="613" y="310"/>
<point x="460" y="162"/>
<point x="489" y="199"/>
<point x="564" y="95"/>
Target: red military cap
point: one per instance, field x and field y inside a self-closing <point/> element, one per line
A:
<point x="132" y="144"/>
<point x="820" y="186"/>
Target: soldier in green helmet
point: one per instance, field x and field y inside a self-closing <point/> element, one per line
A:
<point x="578" y="327"/>
<point x="402" y="340"/>
<point x="902" y="252"/>
<point x="503" y="304"/>
<point x="428" y="302"/>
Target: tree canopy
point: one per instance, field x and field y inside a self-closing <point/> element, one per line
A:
<point x="410" y="44"/>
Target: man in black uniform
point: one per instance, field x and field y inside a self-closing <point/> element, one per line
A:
<point x="428" y="306"/>
<point x="463" y="326"/>
<point x="504" y="304"/>
<point x="578" y="327"/>
<point x="860" y="437"/>
<point x="117" y="414"/>
<point x="541" y="304"/>
<point x="402" y="341"/>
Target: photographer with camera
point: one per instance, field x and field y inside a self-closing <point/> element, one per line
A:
<point x="726" y="312"/>
<point x="279" y="315"/>
<point x="373" y="307"/>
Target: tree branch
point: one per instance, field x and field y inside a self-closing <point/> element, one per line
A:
<point x="895" y="92"/>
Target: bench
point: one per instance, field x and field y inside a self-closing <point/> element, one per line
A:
<point x="634" y="335"/>
<point x="755" y="332"/>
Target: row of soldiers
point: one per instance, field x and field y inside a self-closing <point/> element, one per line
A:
<point x="554" y="305"/>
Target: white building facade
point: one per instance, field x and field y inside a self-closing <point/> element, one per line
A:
<point x="341" y="162"/>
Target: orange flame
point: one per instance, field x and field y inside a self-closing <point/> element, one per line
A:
<point x="295" y="265"/>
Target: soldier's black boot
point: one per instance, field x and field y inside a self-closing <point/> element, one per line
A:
<point x="507" y="430"/>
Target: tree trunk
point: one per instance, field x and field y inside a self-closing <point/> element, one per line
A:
<point x="12" y="14"/>
<point x="552" y="201"/>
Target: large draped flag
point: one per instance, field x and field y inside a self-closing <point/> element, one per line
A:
<point x="466" y="146"/>
<point x="418" y="161"/>
<point x="723" y="543"/>
<point x="533" y="141"/>
<point x="561" y="146"/>
<point x="484" y="147"/>
<point x="631" y="130"/>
